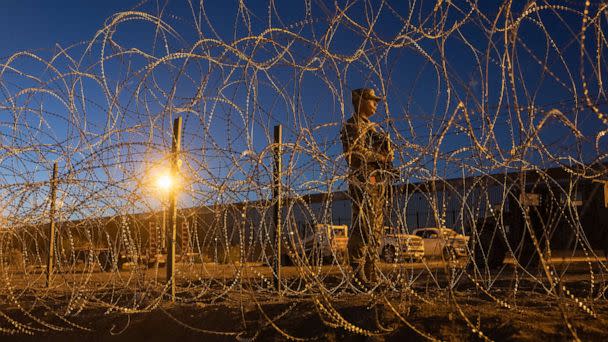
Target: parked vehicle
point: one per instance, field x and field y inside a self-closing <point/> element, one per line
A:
<point x="320" y="243"/>
<point x="443" y="243"/>
<point x="396" y="246"/>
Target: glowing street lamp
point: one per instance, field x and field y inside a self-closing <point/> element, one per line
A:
<point x="165" y="182"/>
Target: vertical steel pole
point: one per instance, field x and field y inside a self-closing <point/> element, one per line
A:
<point x="163" y="227"/>
<point x="277" y="197"/>
<point x="175" y="147"/>
<point x="49" y="264"/>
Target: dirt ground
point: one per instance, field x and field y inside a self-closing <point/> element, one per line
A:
<point x="415" y="303"/>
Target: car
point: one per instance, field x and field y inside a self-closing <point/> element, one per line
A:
<point x="396" y="246"/>
<point x="443" y="243"/>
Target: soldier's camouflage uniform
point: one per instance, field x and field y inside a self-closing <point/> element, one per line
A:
<point x="367" y="188"/>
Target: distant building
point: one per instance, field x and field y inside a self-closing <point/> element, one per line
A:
<point x="560" y="204"/>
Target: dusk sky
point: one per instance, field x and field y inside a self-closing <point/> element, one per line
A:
<point x="316" y="58"/>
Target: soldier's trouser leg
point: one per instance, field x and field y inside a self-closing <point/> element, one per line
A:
<point x="356" y="256"/>
<point x="367" y="222"/>
<point x="357" y="242"/>
<point x="376" y="224"/>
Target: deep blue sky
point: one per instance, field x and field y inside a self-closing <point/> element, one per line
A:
<point x="38" y="24"/>
<point x="418" y="104"/>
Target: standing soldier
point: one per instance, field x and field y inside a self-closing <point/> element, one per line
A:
<point x="369" y="155"/>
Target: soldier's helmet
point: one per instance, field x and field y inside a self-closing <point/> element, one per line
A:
<point x="364" y="94"/>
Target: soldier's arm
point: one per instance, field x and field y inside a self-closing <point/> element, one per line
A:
<point x="358" y="149"/>
<point x="385" y="145"/>
<point x="391" y="150"/>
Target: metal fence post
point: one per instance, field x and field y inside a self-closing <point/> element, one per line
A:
<point x="175" y="148"/>
<point x="277" y="197"/>
<point x="49" y="264"/>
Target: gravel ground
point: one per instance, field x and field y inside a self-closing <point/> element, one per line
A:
<point x="419" y="304"/>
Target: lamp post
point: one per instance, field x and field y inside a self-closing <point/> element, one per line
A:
<point x="167" y="182"/>
<point x="277" y="196"/>
<point x="51" y="256"/>
<point x="175" y="164"/>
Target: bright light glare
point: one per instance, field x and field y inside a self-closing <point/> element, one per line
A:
<point x="164" y="182"/>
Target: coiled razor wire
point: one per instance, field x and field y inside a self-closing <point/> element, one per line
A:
<point x="485" y="103"/>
